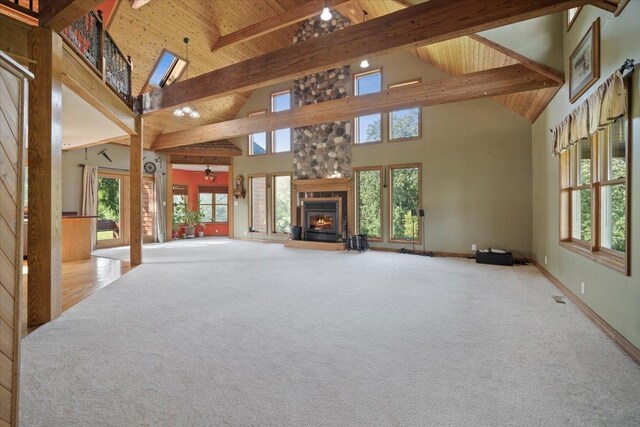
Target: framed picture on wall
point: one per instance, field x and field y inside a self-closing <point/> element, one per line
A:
<point x="584" y="63"/>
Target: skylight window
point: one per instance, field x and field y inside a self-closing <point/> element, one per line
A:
<point x="166" y="71"/>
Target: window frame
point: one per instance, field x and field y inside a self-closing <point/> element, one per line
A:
<point x="593" y="250"/>
<point x="569" y="20"/>
<point x="272" y="209"/>
<point x="272" y="142"/>
<point x="389" y="128"/>
<point x="250" y="194"/>
<point x="200" y="189"/>
<point x="390" y="169"/>
<point x="356" y="199"/>
<point x="147" y="84"/>
<point x="355" y="124"/>
<point x="216" y="190"/>
<point x="266" y="137"/>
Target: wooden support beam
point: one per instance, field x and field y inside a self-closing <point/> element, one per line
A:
<point x="87" y="85"/>
<point x="59" y="14"/>
<point x="429" y="22"/>
<point x="198" y="160"/>
<point x="202" y="153"/>
<point x="499" y="81"/>
<point x="45" y="177"/>
<point x="281" y="20"/>
<point x="135" y="203"/>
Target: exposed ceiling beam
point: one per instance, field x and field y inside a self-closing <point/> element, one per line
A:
<point x="137" y="4"/>
<point x="198" y="160"/>
<point x="59" y="14"/>
<point x="499" y="81"/>
<point x="429" y="22"/>
<point x="281" y="20"/>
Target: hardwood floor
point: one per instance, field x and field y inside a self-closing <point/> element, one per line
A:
<point x="79" y="280"/>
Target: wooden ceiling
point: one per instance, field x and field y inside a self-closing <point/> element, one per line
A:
<point x="466" y="55"/>
<point x="162" y="24"/>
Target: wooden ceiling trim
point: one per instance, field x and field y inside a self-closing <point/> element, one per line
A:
<point x="430" y="22"/>
<point x="511" y="79"/>
<point x="274" y="23"/>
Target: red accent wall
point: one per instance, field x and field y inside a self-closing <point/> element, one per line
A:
<point x="107" y="7"/>
<point x="193" y="179"/>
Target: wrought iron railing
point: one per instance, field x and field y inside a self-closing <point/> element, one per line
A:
<point x="93" y="43"/>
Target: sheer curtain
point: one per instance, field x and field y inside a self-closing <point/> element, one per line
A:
<point x="90" y="198"/>
<point x="159" y="185"/>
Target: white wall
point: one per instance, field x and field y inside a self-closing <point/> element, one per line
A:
<point x="614" y="296"/>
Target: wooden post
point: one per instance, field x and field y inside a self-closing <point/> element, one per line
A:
<point x="169" y="199"/>
<point x="45" y="177"/>
<point x="135" y="195"/>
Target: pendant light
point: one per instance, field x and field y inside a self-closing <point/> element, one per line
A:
<point x="208" y="175"/>
<point x="364" y="63"/>
<point x="187" y="110"/>
<point x="326" y="12"/>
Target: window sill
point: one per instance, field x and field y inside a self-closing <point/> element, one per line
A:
<point x="362" y="144"/>
<point x="413" y="138"/>
<point x="616" y="263"/>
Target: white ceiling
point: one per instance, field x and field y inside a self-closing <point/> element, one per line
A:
<point x="201" y="168"/>
<point x="82" y="124"/>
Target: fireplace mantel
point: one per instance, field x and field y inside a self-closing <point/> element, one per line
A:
<point x="321" y="185"/>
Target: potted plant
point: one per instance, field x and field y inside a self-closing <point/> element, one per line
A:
<point x="190" y="221"/>
<point x="199" y="218"/>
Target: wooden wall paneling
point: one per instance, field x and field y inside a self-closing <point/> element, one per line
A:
<point x="135" y="193"/>
<point x="148" y="210"/>
<point x="45" y="177"/>
<point x="169" y="207"/>
<point x="505" y="80"/>
<point x="408" y="28"/>
<point x="13" y="137"/>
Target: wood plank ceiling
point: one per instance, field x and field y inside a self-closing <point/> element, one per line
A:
<point x="162" y="24"/>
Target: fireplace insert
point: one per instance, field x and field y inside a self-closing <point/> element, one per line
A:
<point x="321" y="220"/>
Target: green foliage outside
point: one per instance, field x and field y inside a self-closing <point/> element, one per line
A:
<point x="373" y="131"/>
<point x="109" y="199"/>
<point x="282" y="204"/>
<point x="405" y="123"/>
<point x="405" y="192"/>
<point x="369" y="203"/>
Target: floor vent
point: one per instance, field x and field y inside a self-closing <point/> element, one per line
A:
<point x="559" y="299"/>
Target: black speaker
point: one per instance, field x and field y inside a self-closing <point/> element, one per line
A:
<point x="420" y="212"/>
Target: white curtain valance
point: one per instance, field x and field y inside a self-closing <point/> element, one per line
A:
<point x="603" y="107"/>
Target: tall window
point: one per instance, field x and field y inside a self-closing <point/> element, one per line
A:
<point x="368" y="128"/>
<point x="205" y="203"/>
<point x="220" y="206"/>
<point x="368" y="184"/>
<point x="281" y="138"/>
<point x="281" y="203"/>
<point x="257" y="141"/>
<point x="406" y="123"/>
<point x="258" y="200"/>
<point x="593" y="195"/>
<point x="405" y="182"/>
<point x="180" y="193"/>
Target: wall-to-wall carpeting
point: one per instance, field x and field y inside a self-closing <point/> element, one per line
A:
<point x="217" y="332"/>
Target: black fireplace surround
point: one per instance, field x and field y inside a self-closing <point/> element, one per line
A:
<point x="321" y="221"/>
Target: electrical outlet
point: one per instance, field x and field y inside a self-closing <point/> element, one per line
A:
<point x="473" y="247"/>
<point x="235" y="203"/>
<point x="545" y="260"/>
<point x="245" y="233"/>
<point x="582" y="287"/>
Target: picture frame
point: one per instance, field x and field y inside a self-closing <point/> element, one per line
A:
<point x="584" y="63"/>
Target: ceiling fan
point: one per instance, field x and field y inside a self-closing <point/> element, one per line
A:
<point x="137" y="4"/>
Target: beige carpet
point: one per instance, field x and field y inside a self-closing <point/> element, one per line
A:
<point x="212" y="332"/>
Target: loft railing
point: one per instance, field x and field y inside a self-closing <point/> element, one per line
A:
<point x="27" y="7"/>
<point x="93" y="43"/>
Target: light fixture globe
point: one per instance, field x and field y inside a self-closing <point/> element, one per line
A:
<point x="194" y="114"/>
<point x="178" y="112"/>
<point x="364" y="63"/>
<point x="326" y="14"/>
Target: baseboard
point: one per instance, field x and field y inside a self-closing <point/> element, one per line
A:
<point x="622" y="342"/>
<point x="435" y="253"/>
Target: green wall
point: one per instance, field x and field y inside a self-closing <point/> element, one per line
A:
<point x="476" y="166"/>
<point x="614" y="296"/>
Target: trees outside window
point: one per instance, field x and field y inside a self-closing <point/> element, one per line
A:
<point x="281" y="138"/>
<point x="405" y="183"/>
<point x="368" y="128"/>
<point x="281" y="203"/>
<point x="593" y="196"/>
<point x="405" y="123"/>
<point x="368" y="197"/>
